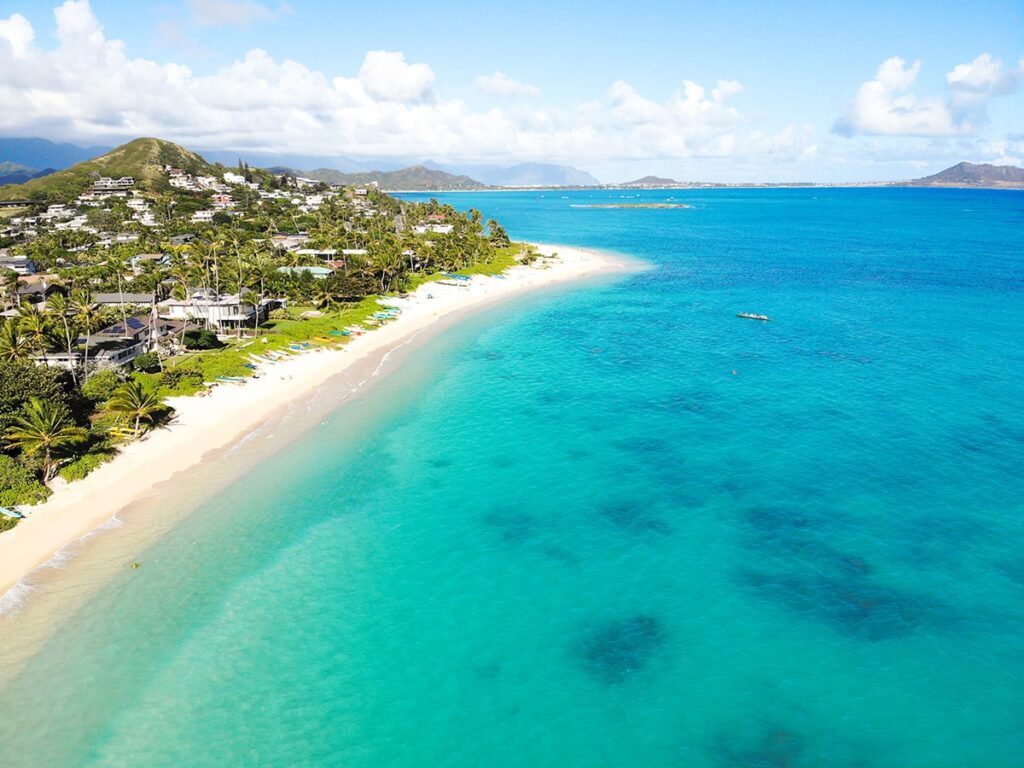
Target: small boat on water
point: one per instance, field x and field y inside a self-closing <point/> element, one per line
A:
<point x="6" y="512"/>
<point x="751" y="316"/>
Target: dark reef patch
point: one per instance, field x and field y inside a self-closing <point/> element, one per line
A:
<point x="504" y="461"/>
<point x="795" y="537"/>
<point x="612" y="652"/>
<point x="513" y="527"/>
<point x="851" y="605"/>
<point x="769" y="748"/>
<point x="561" y="555"/>
<point x="634" y="518"/>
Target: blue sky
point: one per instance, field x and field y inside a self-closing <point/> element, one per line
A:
<point x="716" y="91"/>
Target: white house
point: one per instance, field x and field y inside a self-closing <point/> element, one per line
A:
<point x="221" y="312"/>
<point x="324" y="254"/>
<point x="107" y="184"/>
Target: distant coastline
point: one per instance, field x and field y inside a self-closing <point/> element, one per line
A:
<point x="698" y="187"/>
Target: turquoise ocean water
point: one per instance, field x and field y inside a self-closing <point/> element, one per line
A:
<point x="614" y="525"/>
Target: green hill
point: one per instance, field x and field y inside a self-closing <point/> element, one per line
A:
<point x="142" y="159"/>
<point x="972" y="175"/>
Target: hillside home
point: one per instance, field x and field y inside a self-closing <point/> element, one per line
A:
<point x="107" y="184"/>
<point x="23" y="265"/>
<point x="101" y="300"/>
<point x="324" y="254"/>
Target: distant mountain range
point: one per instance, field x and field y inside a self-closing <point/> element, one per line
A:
<point x="22" y="160"/>
<point x="40" y="153"/>
<point x="417" y="177"/>
<point x="521" y="175"/>
<point x="280" y="160"/>
<point x="15" y="173"/>
<point x="971" y="175"/>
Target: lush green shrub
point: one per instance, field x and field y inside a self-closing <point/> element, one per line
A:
<point x="180" y="379"/>
<point x="18" y="484"/>
<point x="20" y="381"/>
<point x="83" y="465"/>
<point x="101" y="385"/>
<point x="148" y="362"/>
<point x="201" y="339"/>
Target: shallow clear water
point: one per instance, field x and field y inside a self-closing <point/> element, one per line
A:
<point x="615" y="525"/>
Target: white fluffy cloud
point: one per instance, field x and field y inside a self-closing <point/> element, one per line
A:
<point x="89" y="88"/>
<point x="500" y="84"/>
<point x="885" y="105"/>
<point x="978" y="81"/>
<point x="387" y="77"/>
<point x="17" y="34"/>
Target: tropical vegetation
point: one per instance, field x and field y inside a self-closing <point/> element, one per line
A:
<point x="62" y="417"/>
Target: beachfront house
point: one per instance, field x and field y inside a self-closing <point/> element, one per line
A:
<point x="118" y="344"/>
<point x="220" y="312"/>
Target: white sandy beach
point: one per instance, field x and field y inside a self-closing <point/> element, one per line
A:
<point x="205" y="424"/>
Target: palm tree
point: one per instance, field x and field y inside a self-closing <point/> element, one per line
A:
<point x="132" y="401"/>
<point x="82" y="306"/>
<point x="8" y="287"/>
<point x="118" y="263"/>
<point x="33" y="325"/>
<point x="44" y="428"/>
<point x="14" y="345"/>
<point x="58" y="305"/>
<point x="326" y="294"/>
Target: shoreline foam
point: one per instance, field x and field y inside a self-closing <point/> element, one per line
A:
<point x="229" y="414"/>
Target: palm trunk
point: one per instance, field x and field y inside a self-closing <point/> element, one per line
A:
<point x="67" y="337"/>
<point x="120" y="294"/>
